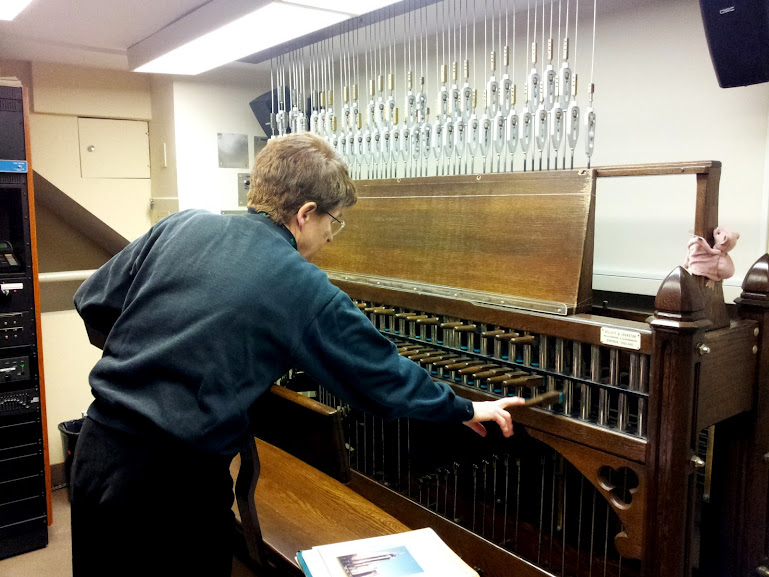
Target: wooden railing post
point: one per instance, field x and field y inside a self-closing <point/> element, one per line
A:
<point x="754" y="305"/>
<point x="679" y="323"/>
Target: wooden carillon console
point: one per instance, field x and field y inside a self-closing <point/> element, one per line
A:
<point x="652" y="464"/>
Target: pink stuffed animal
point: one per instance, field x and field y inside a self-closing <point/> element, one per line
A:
<point x="712" y="262"/>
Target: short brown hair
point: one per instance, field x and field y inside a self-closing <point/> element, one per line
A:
<point x="295" y="169"/>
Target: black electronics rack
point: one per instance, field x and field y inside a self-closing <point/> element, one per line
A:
<point x="24" y="472"/>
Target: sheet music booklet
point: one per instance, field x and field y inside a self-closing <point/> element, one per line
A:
<point x="413" y="553"/>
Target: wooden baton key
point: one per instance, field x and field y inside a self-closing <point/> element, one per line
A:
<point x="544" y="400"/>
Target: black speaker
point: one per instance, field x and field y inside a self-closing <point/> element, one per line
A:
<point x="738" y="39"/>
<point x="262" y="107"/>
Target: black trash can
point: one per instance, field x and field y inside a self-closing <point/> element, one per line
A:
<point x="70" y="431"/>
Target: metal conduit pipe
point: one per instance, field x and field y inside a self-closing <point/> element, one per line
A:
<point x="65" y="276"/>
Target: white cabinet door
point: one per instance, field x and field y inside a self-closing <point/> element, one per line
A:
<point x="114" y="148"/>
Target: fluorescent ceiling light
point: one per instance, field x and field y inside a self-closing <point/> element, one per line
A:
<point x="268" y="26"/>
<point x="9" y="9"/>
<point x="356" y="7"/>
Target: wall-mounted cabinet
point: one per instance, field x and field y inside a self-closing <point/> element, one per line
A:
<point x="113" y="148"/>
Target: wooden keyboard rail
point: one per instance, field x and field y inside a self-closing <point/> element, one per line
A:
<point x="299" y="507"/>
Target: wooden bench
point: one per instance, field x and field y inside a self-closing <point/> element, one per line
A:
<point x="298" y="505"/>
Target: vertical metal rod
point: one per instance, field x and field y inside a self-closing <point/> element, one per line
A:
<point x="365" y="446"/>
<point x="504" y="505"/>
<point x="527" y="354"/>
<point x="622" y="528"/>
<point x="579" y="519"/>
<point x="576" y="370"/>
<point x="494" y="460"/>
<point x="541" y="508"/>
<point x="446" y="493"/>
<point x="595" y="376"/>
<point x="563" y="524"/>
<point x="606" y="542"/>
<point x="544" y="361"/>
<point x="373" y="446"/>
<point x="357" y="445"/>
<point x="592" y="532"/>
<point x="643" y="386"/>
<point x="456" y="486"/>
<point x="384" y="470"/>
<point x="623" y="410"/>
<point x="399" y="449"/>
<point x="408" y="455"/>
<point x="475" y="493"/>
<point x="485" y="464"/>
<point x="553" y="515"/>
<point x="603" y="395"/>
<point x="517" y="500"/>
<point x="560" y="362"/>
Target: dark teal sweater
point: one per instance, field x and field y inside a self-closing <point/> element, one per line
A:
<point x="204" y="312"/>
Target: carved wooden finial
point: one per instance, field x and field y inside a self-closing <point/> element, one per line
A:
<point x="755" y="287"/>
<point x="679" y="298"/>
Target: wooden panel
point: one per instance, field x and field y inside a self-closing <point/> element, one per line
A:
<point x="318" y="442"/>
<point x="630" y="541"/>
<point x="299" y="507"/>
<point x="523" y="235"/>
<point x="753" y="476"/>
<point x="727" y="374"/>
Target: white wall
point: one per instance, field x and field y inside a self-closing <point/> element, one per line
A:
<point x="658" y="100"/>
<point x="201" y="111"/>
<point x="67" y="394"/>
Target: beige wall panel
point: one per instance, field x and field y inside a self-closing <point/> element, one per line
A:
<point x="78" y="91"/>
<point x="21" y="69"/>
<point x="163" y="139"/>
<point x="68" y="358"/>
<point x="114" y="148"/>
<point x="61" y="246"/>
<point x="163" y="207"/>
<point x="122" y="204"/>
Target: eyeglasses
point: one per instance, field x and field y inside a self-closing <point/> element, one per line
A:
<point x="336" y="226"/>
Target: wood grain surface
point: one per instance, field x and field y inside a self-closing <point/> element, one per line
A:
<point x="299" y="507"/>
<point x="524" y="235"/>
